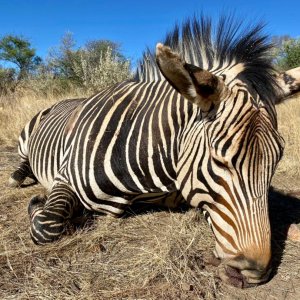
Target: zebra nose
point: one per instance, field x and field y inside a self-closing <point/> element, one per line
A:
<point x="243" y="272"/>
<point x="256" y="276"/>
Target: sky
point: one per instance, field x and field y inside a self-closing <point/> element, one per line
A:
<point x="133" y="24"/>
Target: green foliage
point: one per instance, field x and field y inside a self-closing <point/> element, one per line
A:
<point x="96" y="70"/>
<point x="68" y="69"/>
<point x="99" y="63"/>
<point x="287" y="53"/>
<point x="18" y="50"/>
<point x="45" y="83"/>
<point x="60" y="60"/>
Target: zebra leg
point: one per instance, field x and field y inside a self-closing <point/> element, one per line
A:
<point x="19" y="175"/>
<point x="48" y="217"/>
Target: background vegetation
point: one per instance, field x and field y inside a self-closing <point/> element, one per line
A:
<point x="67" y="69"/>
<point x="83" y="70"/>
<point x="286" y="52"/>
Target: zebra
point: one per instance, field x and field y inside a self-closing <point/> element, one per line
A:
<point x="197" y="123"/>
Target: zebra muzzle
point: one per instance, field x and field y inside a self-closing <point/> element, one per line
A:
<point x="232" y="276"/>
<point x="242" y="278"/>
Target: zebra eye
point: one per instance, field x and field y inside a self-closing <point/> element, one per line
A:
<point x="223" y="77"/>
<point x="221" y="164"/>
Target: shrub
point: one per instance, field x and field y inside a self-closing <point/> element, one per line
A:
<point x="67" y="70"/>
<point x="8" y="82"/>
<point x="96" y="71"/>
<point x="288" y="54"/>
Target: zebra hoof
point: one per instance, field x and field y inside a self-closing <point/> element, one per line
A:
<point x="35" y="203"/>
<point x="13" y="183"/>
<point x="16" y="178"/>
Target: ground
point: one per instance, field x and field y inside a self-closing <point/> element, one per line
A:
<point x="146" y="255"/>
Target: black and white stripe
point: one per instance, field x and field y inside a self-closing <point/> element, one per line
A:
<point x="152" y="140"/>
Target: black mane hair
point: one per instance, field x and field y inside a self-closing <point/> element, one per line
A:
<point x="214" y="46"/>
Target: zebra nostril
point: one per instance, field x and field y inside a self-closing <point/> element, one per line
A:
<point x="242" y="272"/>
<point x="232" y="276"/>
<point x="256" y="276"/>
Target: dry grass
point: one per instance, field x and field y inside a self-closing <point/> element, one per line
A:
<point x="158" y="255"/>
<point x="16" y="112"/>
<point x="288" y="172"/>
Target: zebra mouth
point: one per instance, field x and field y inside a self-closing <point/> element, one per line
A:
<point x="253" y="279"/>
<point x="232" y="276"/>
<point x="241" y="278"/>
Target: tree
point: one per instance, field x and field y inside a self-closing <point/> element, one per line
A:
<point x="279" y="40"/>
<point x="97" y="64"/>
<point x="99" y="47"/>
<point x="97" y="70"/>
<point x="17" y="49"/>
<point x="287" y="53"/>
<point x="60" y="59"/>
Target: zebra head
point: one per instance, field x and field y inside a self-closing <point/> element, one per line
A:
<point x="240" y="148"/>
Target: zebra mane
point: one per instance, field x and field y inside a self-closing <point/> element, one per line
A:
<point x="217" y="47"/>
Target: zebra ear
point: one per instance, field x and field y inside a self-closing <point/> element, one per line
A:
<point x="195" y="84"/>
<point x="289" y="82"/>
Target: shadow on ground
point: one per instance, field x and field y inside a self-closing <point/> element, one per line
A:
<point x="284" y="210"/>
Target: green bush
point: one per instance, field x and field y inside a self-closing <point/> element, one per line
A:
<point x="99" y="70"/>
<point x="17" y="50"/>
<point x="94" y="66"/>
<point x="288" y="54"/>
<point x="68" y="70"/>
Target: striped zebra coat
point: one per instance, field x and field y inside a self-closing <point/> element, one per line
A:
<point x="197" y="124"/>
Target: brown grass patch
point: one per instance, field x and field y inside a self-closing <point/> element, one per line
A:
<point x="156" y="255"/>
<point x="288" y="173"/>
<point x="15" y="113"/>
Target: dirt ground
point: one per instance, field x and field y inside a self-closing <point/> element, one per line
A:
<point x="108" y="259"/>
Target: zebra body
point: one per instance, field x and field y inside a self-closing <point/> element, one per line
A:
<point x="199" y="126"/>
<point x="47" y="148"/>
<point x="24" y="170"/>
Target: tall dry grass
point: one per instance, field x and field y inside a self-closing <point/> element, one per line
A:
<point x="287" y="176"/>
<point x="16" y="111"/>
